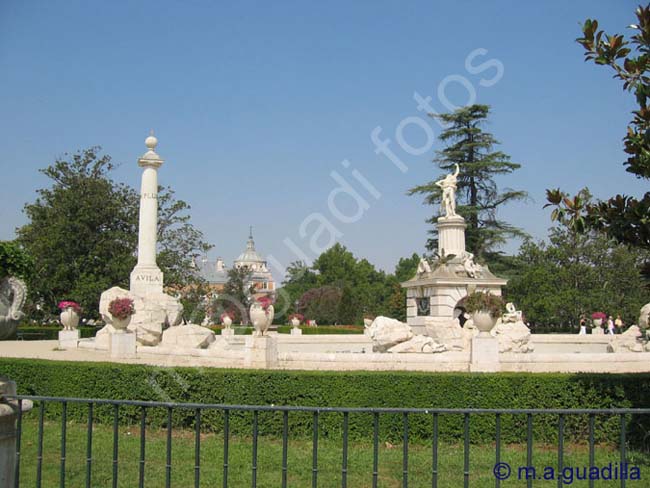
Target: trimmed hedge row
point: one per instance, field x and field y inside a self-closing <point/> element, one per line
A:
<point x="343" y="389"/>
<point x="49" y="333"/>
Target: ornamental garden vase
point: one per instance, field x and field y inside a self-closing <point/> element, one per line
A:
<point x="483" y="321"/>
<point x="69" y="319"/>
<point x="295" y="323"/>
<point x="120" y="325"/>
<point x="260" y="318"/>
<point x="226" y="321"/>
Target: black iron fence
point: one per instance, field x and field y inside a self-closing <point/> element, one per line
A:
<point x="622" y="429"/>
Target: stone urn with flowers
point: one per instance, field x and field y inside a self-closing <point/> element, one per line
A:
<point x="485" y="309"/>
<point x="70" y="314"/>
<point x="261" y="314"/>
<point x="597" y="319"/>
<point x="226" y="319"/>
<point x="295" y="319"/>
<point x="121" y="310"/>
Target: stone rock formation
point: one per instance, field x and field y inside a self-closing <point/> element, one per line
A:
<point x="386" y="333"/>
<point x="190" y="336"/>
<point x="153" y="313"/>
<point x="512" y="336"/>
<point x="629" y="341"/>
<point x="418" y="343"/>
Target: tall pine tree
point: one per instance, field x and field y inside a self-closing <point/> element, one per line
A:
<point x="478" y="197"/>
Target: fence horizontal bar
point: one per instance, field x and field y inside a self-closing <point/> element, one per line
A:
<point x="278" y="408"/>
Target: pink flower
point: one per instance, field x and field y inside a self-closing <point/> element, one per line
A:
<point x="121" y="308"/>
<point x="70" y="304"/>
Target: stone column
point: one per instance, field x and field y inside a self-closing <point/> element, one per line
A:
<point x="8" y="415"/>
<point x="146" y="277"/>
<point x="451" y="235"/>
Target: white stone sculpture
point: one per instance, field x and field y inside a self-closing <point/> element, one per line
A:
<point x="386" y="333"/>
<point x="189" y="336"/>
<point x="448" y="186"/>
<point x="512" y="314"/>
<point x="418" y="343"/>
<point x="450" y="333"/>
<point x="423" y="266"/>
<point x="513" y="336"/>
<point x="643" y="316"/>
<point x="153" y="313"/>
<point x="629" y="341"/>
<point x="12" y="299"/>
<point x="472" y="269"/>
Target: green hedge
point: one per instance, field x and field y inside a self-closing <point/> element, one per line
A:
<point x="49" y="333"/>
<point x="342" y="389"/>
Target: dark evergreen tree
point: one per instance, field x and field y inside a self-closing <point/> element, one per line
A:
<point x="478" y="196"/>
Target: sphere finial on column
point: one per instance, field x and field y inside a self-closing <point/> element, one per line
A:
<point x="151" y="142"/>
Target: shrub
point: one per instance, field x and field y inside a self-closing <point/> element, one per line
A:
<point x="343" y="389"/>
<point x="484" y="301"/>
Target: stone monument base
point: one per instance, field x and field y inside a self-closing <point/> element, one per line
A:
<point x="485" y="354"/>
<point x="69" y="339"/>
<point x="227" y="332"/>
<point x="296" y="332"/>
<point x="122" y="345"/>
<point x="261" y="352"/>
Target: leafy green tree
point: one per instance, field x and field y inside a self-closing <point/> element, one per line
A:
<point x="623" y="217"/>
<point x="299" y="278"/>
<point x="236" y="295"/>
<point x="348" y="312"/>
<point x="82" y="232"/>
<point x="478" y="195"/>
<point x="14" y="261"/>
<point x="407" y="267"/>
<point x="321" y="304"/>
<point x="574" y="275"/>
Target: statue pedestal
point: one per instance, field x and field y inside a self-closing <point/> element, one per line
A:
<point x="227" y="332"/>
<point x="296" y="331"/>
<point x="261" y="352"/>
<point x="122" y="345"/>
<point x="69" y="339"/>
<point x="485" y="354"/>
<point x="8" y="415"/>
<point x="451" y="235"/>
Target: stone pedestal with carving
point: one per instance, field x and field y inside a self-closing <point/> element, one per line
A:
<point x="295" y="331"/>
<point x="261" y="352"/>
<point x="227" y="332"/>
<point x="68" y="339"/>
<point x="485" y="354"/>
<point x="122" y="345"/>
<point x="8" y="415"/>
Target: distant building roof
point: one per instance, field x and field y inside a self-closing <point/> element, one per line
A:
<point x="214" y="272"/>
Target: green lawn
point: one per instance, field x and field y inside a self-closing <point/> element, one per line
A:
<point x="269" y="472"/>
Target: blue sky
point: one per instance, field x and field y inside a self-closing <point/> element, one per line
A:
<point x="255" y="104"/>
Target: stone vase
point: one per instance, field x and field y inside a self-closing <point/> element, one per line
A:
<point x="295" y="323"/>
<point x="598" y="322"/>
<point x="69" y="319"/>
<point x="120" y="325"/>
<point x="260" y="318"/>
<point x="226" y="322"/>
<point x="483" y="321"/>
